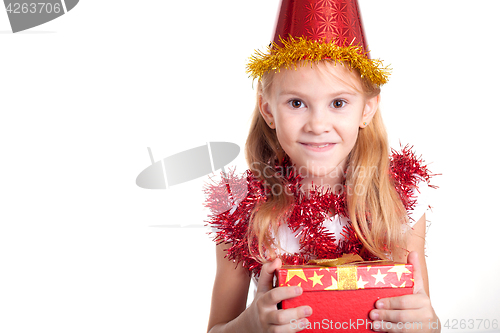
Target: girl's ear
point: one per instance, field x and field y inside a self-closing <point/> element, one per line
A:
<point x="265" y="111"/>
<point x="371" y="106"/>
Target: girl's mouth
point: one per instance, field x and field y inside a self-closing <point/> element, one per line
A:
<point x="321" y="146"/>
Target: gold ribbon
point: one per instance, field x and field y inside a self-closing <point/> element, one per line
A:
<point x="347" y="271"/>
<point x="345" y="259"/>
<point x="347" y="277"/>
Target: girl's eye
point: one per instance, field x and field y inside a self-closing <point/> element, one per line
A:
<point x="339" y="103"/>
<point x="296" y="103"/>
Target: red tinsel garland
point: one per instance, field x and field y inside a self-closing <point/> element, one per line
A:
<point x="233" y="199"/>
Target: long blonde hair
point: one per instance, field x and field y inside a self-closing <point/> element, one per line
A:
<point x="367" y="169"/>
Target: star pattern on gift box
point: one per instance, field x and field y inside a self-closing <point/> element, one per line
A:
<point x="367" y="276"/>
<point x="379" y="277"/>
<point x="295" y="272"/>
<point x="401" y="286"/>
<point x="361" y="283"/>
<point x="333" y="286"/>
<point x="399" y="270"/>
<point x="316" y="279"/>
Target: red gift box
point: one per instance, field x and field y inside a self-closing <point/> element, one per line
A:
<point x="341" y="297"/>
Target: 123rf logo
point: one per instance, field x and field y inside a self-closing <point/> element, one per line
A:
<point x="24" y="15"/>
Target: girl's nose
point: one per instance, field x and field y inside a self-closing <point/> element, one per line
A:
<point x="318" y="122"/>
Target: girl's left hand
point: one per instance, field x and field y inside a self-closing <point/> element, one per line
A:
<point x="408" y="313"/>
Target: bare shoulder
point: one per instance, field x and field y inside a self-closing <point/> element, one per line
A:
<point x="416" y="242"/>
<point x="416" y="236"/>
<point x="229" y="295"/>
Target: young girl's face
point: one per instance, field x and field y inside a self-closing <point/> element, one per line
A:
<point x="317" y="112"/>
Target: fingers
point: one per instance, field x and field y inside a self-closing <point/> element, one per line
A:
<point x="271" y="319"/>
<point x="408" y="313"/>
<point x="399" y="316"/>
<point x="289" y="316"/>
<point x="406" y="302"/>
<point x="403" y="313"/>
<point x="418" y="282"/>
<point x="273" y="297"/>
<point x="289" y="320"/>
<point x="402" y="309"/>
<point x="266" y="276"/>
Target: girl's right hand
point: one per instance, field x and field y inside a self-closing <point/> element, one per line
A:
<point x="264" y="312"/>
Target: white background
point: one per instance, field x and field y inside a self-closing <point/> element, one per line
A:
<point x="83" y="249"/>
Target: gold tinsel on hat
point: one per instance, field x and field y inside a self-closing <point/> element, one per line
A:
<point x="296" y="49"/>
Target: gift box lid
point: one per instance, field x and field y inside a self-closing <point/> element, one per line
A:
<point x="359" y="275"/>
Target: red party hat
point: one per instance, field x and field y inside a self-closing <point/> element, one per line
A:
<point x="313" y="30"/>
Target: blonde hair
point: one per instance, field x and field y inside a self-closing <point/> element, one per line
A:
<point x="367" y="169"/>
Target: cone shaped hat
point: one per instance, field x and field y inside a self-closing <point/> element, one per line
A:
<point x="314" y="30"/>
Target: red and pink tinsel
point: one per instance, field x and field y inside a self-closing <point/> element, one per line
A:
<point x="232" y="200"/>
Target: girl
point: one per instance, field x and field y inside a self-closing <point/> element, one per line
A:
<point x="321" y="183"/>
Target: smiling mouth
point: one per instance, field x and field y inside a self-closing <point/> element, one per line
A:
<point x="317" y="145"/>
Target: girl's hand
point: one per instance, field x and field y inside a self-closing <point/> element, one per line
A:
<point x="264" y="312"/>
<point x="408" y="313"/>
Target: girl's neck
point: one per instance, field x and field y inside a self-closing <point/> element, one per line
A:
<point x="334" y="181"/>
